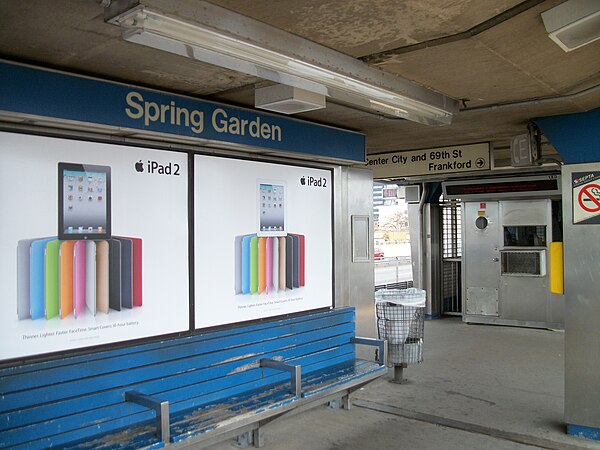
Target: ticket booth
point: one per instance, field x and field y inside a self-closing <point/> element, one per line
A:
<point x="507" y="227"/>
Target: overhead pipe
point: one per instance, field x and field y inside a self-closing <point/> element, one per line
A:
<point x="533" y="101"/>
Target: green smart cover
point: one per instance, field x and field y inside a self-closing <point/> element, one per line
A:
<point x="254" y="265"/>
<point x="51" y="260"/>
<point x="36" y="277"/>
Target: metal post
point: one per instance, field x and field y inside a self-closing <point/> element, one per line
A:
<point x="258" y="438"/>
<point x="398" y="373"/>
<point x="295" y="371"/>
<point x="160" y="407"/>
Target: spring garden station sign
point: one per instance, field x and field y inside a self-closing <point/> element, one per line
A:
<point x="35" y="93"/>
<point x="459" y="158"/>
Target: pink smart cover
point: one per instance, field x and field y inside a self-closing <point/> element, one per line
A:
<point x="269" y="252"/>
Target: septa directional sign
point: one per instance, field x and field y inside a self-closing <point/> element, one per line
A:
<point x="586" y="197"/>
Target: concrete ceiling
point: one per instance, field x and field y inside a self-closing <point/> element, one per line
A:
<point x="493" y="55"/>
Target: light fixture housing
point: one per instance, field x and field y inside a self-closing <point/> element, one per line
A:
<point x="226" y="39"/>
<point x="573" y="24"/>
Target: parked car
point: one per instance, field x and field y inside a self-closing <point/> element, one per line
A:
<point x="378" y="253"/>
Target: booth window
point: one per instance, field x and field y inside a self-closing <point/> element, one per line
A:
<point x="525" y="236"/>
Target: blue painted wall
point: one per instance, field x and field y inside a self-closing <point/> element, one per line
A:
<point x="575" y="136"/>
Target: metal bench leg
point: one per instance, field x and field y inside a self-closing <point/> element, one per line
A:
<point x="258" y="438"/>
<point x="160" y="407"/>
<point x="346" y="402"/>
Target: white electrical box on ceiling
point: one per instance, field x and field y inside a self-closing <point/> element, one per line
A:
<point x="287" y="99"/>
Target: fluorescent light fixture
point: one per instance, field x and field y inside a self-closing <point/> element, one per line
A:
<point x="346" y="79"/>
<point x="394" y="109"/>
<point x="573" y="24"/>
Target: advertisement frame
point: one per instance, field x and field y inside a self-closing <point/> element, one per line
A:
<point x="326" y="167"/>
<point x="190" y="152"/>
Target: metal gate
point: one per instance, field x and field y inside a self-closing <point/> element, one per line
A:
<point x="451" y="257"/>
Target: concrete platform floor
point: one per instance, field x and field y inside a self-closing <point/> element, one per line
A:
<point x="480" y="387"/>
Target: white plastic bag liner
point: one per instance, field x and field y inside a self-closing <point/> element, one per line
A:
<point x="405" y="297"/>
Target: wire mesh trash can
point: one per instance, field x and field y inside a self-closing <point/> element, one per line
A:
<point x="400" y="321"/>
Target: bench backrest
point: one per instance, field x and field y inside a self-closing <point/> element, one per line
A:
<point x="66" y="400"/>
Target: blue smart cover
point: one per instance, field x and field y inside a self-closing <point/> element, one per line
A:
<point x="246" y="263"/>
<point x="36" y="278"/>
<point x="23" y="270"/>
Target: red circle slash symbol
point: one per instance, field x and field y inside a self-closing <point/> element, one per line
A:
<point x="590" y="194"/>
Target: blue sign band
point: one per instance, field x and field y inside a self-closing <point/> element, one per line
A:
<point x="39" y="92"/>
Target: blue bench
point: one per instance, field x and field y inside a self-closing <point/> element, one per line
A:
<point x="200" y="388"/>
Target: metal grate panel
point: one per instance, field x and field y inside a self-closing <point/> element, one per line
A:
<point x="451" y="230"/>
<point x="523" y="263"/>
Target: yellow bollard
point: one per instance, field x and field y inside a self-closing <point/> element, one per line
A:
<point x="556" y="268"/>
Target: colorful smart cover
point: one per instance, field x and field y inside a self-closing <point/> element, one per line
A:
<point x="66" y="278"/>
<point x="102" y="282"/>
<point x="262" y="253"/>
<point x="23" y="283"/>
<point x="282" y="262"/>
<point x="254" y="265"/>
<point x="238" y="264"/>
<point x="289" y="262"/>
<point x="275" y="263"/>
<point x="36" y="278"/>
<point x="296" y="261"/>
<point x="90" y="276"/>
<point x="246" y="263"/>
<point x="114" y="274"/>
<point x="79" y="261"/>
<point x="301" y="257"/>
<point x="126" y="272"/>
<point x="269" y="266"/>
<point x="84" y="202"/>
<point x="51" y="279"/>
<point x="137" y="271"/>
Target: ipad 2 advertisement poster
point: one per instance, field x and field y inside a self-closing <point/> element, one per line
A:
<point x="94" y="244"/>
<point x="263" y="240"/>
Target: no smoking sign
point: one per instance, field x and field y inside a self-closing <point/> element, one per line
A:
<point x="586" y="197"/>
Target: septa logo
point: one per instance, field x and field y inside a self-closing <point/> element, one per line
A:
<point x="303" y="181"/>
<point x="139" y="166"/>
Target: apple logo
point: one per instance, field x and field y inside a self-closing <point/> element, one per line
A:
<point x="302" y="181"/>
<point x="139" y="166"/>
